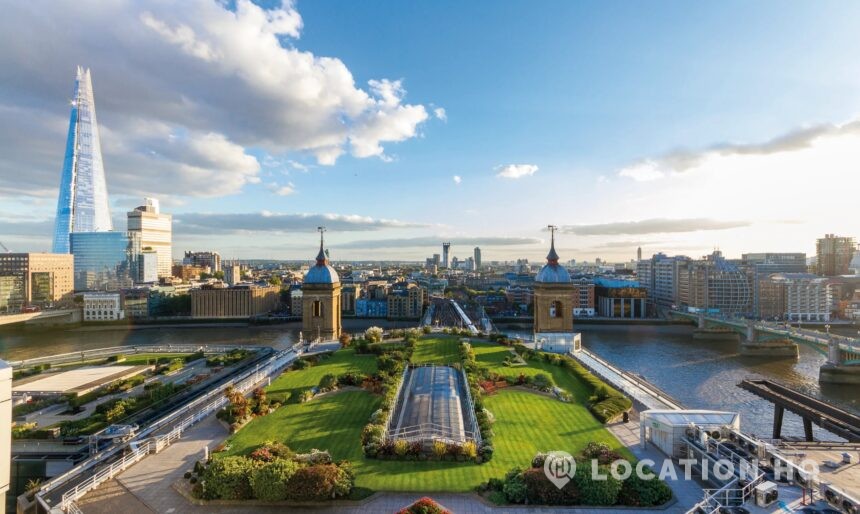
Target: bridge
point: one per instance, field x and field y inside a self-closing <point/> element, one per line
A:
<point x="50" y="317"/>
<point x="812" y="410"/>
<point x="767" y="339"/>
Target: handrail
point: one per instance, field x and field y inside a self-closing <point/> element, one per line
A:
<point x="244" y="383"/>
<point x="130" y="349"/>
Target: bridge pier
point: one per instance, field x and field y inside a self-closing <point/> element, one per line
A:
<point x="778" y="412"/>
<point x="835" y="370"/>
<point x="777" y="348"/>
<point x="833" y="373"/>
<point x="715" y="334"/>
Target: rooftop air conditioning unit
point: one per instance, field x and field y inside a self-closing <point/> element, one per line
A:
<point x="766" y="494"/>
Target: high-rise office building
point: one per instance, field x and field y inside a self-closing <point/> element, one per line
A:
<point x="445" y="248"/>
<point x="477" y="258"/>
<point x="34" y="279"/>
<point x="834" y="255"/>
<point x="156" y="233"/>
<point x="232" y="273"/>
<point x="82" y="205"/>
<point x="147" y="267"/>
<point x="104" y="261"/>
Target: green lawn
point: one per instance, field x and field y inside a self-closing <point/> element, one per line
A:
<point x="525" y="422"/>
<point x="437" y="349"/>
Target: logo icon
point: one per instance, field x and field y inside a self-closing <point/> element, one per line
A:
<point x="559" y="468"/>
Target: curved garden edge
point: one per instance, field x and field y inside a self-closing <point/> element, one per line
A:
<point x="182" y="487"/>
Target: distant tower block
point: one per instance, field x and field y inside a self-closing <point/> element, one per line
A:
<point x="639" y="254"/>
<point x="445" y="248"/>
<point x="321" y="299"/>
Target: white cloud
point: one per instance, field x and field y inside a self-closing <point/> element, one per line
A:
<point x="643" y="171"/>
<point x="192" y="70"/>
<point x="440" y="114"/>
<point x="458" y="179"/>
<point x="515" y="171"/>
<point x="282" y="190"/>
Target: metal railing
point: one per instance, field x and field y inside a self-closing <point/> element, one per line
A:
<point x="141" y="446"/>
<point x="471" y="407"/>
<point x="431" y="431"/>
<point x="127" y="350"/>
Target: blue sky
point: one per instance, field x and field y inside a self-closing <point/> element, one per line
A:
<point x="648" y="124"/>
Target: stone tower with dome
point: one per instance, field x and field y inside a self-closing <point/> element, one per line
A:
<point x="553" y="305"/>
<point x="321" y="299"/>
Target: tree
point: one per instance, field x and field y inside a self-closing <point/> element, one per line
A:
<point x="275" y="280"/>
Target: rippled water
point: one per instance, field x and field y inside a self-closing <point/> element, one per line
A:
<point x="701" y="374"/>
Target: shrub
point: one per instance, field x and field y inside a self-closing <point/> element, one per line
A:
<point x="314" y="457"/>
<point x="229" y="479"/>
<point x="269" y="482"/>
<point x="345" y="339"/>
<point x="514" y="486"/>
<point x="327" y="382"/>
<point x="596" y="492"/>
<point x="372" y="433"/>
<point x="305" y="395"/>
<point x="541" y="490"/>
<point x="300" y="364"/>
<point x="439" y="448"/>
<point x="469" y="449"/>
<point x="401" y="446"/>
<point x="373" y="334"/>
<point x="424" y="506"/>
<point x="645" y="493"/>
<point x="313" y="483"/>
<point x="542" y="382"/>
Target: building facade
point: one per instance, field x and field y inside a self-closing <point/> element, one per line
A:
<point x="35" y="279"/>
<point x="834" y="255"/>
<point x="103" y="307"/>
<point x="104" y="261"/>
<point x="477" y="258"/>
<point x="714" y="285"/>
<point x="147" y="267"/>
<point x="759" y="267"/>
<point x="583" y="298"/>
<point x="406" y="301"/>
<point x="807" y="297"/>
<point x="155" y="233"/>
<point x="243" y="301"/>
<point x="659" y="276"/>
<point x="211" y="260"/>
<point x="620" y="298"/>
<point x="321" y="312"/>
<point x="82" y="205"/>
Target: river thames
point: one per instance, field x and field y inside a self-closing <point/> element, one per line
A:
<point x="701" y="374"/>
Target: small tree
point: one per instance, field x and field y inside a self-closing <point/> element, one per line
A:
<point x="345" y="339"/>
<point x="373" y="334"/>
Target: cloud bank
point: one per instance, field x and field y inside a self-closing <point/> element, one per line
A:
<point x="652" y="226"/>
<point x="412" y="242"/>
<point x="184" y="88"/>
<point x="213" y="223"/>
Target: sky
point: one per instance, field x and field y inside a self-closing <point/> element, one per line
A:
<point x="398" y="125"/>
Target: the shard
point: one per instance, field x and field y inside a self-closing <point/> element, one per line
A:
<point x="82" y="205"/>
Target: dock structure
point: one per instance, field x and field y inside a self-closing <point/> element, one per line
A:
<point x="812" y="410"/>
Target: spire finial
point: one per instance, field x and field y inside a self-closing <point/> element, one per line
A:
<point x="552" y="257"/>
<point x="321" y="257"/>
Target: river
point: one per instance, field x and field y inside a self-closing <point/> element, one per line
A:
<point x="701" y="374"/>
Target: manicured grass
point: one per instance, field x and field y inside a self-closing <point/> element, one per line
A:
<point x="526" y="422"/>
<point x="437" y="350"/>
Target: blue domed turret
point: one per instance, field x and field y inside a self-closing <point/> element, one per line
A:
<point x="322" y="273"/>
<point x="552" y="272"/>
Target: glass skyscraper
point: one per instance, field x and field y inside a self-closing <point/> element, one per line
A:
<point x="104" y="261"/>
<point x="82" y="205"/>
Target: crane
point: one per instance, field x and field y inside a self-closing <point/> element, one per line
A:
<point x="5" y="248"/>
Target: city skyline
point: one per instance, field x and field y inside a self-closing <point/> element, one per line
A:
<point x="675" y="143"/>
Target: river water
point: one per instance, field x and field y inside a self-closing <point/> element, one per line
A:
<point x="701" y="374"/>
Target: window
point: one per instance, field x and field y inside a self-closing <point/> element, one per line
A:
<point x="317" y="309"/>
<point x="555" y="310"/>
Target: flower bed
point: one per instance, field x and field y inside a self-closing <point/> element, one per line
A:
<point x="424" y="506"/>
